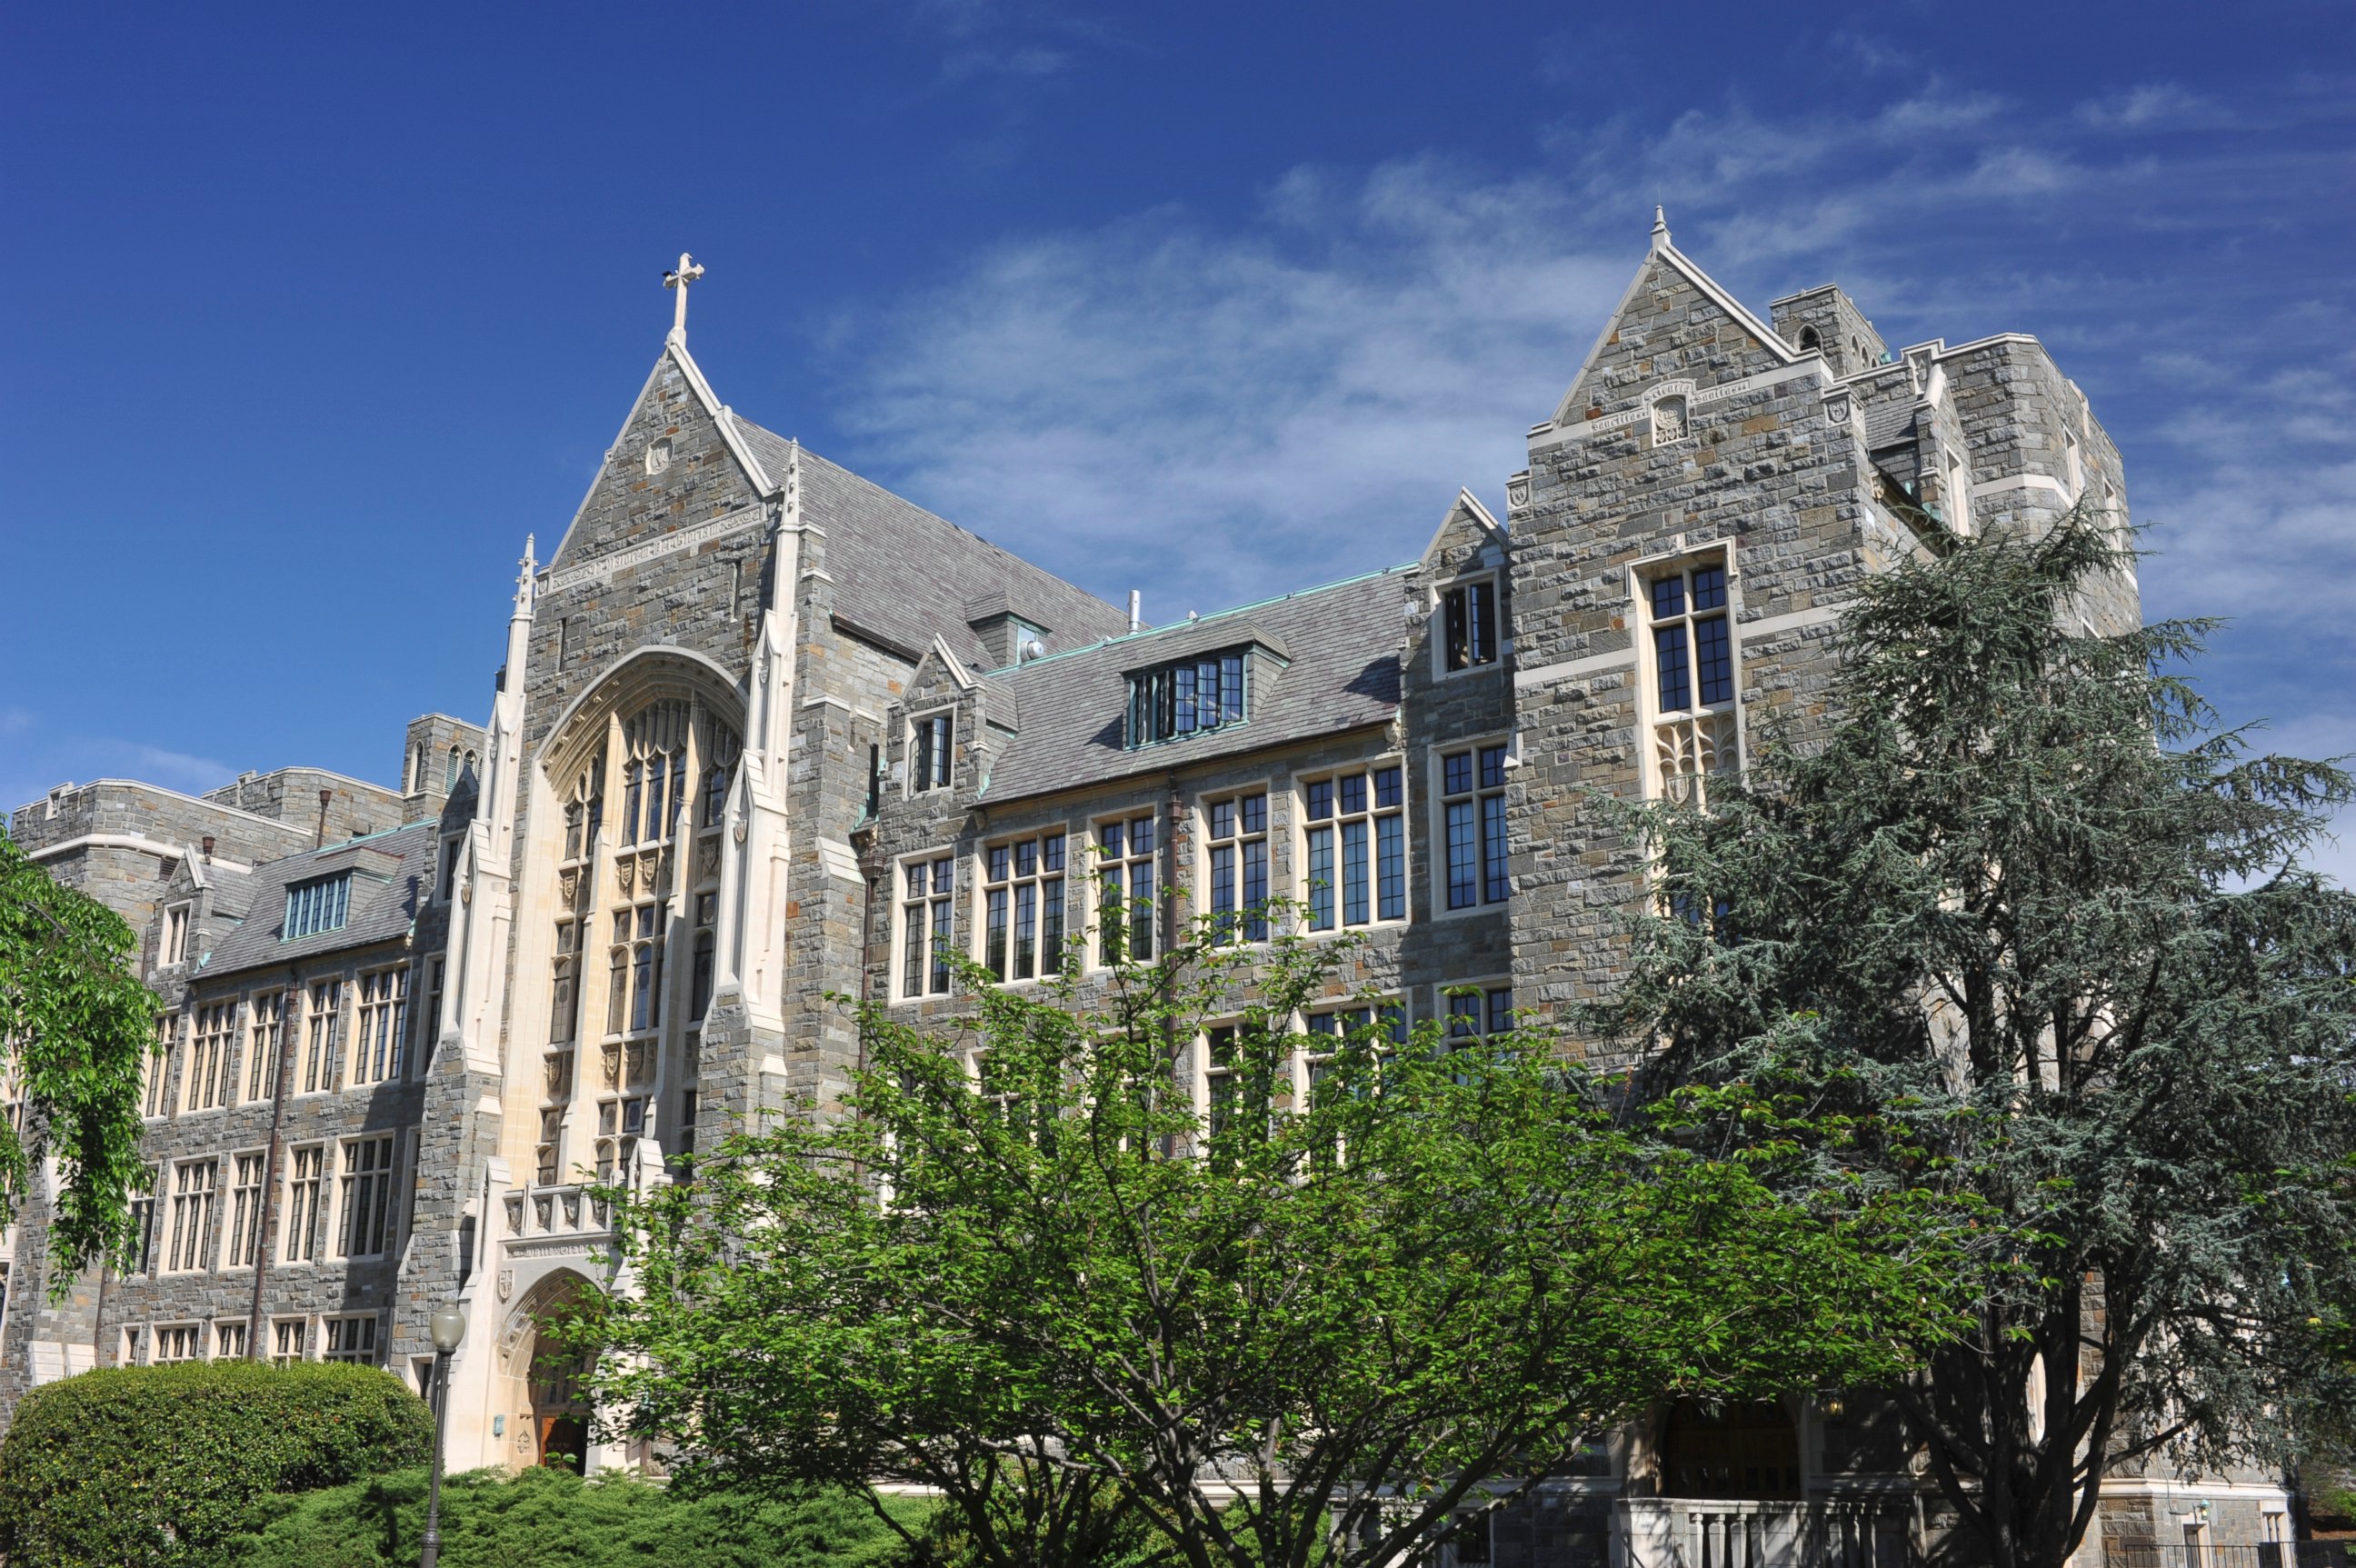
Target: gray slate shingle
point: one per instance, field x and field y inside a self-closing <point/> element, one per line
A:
<point x="391" y="875"/>
<point x="1344" y="641"/>
<point x="903" y="576"/>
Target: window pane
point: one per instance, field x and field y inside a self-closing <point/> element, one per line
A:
<point x="1354" y="874"/>
<point x="997" y="928"/>
<point x="1456" y="772"/>
<point x="1390" y="867"/>
<point x="1051" y="853"/>
<point x="1501" y="1010"/>
<point x="1495" y="880"/>
<point x="1321" y="879"/>
<point x="1387" y="786"/>
<point x="1223" y="878"/>
<point x="940" y="976"/>
<point x="1715" y="660"/>
<point x="1026" y="929"/>
<point x="1141" y="903"/>
<point x="1320" y="801"/>
<point x="1222" y="818"/>
<point x="1668" y="596"/>
<point x="1710" y="587"/>
<point x="1183" y="720"/>
<point x="1354" y="794"/>
<point x="1111" y="916"/>
<point x="1484" y="638"/>
<point x="1493" y="768"/>
<point x="1051" y="925"/>
<point x="999" y="859"/>
<point x="1670" y="660"/>
<point x="1140" y="836"/>
<point x="1026" y="858"/>
<point x="1231" y="689"/>
<point x="1464" y="857"/>
<point x="1458" y="629"/>
<point x="1255" y="813"/>
<point x="1110" y="837"/>
<point x="1254" y="890"/>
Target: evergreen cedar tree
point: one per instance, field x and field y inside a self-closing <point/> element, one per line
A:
<point x="1285" y="1335"/>
<point x="160" y="1466"/>
<point x="2031" y="904"/>
<point x="76" y="1025"/>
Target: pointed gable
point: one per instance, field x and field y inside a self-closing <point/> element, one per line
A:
<point x="1675" y="323"/>
<point x="678" y="463"/>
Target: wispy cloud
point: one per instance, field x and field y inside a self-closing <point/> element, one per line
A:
<point x="1212" y="413"/>
<point x="2150" y="105"/>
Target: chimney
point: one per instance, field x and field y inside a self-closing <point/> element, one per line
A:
<point x="209" y="849"/>
<point x="1136" y="603"/>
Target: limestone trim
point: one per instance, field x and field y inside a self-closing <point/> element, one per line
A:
<point x="156" y="847"/>
<point x="629" y="683"/>
<point x="1546" y="437"/>
<point x="1570" y="669"/>
<point x="1790" y="621"/>
<point x="601" y="568"/>
<point x="2023" y="482"/>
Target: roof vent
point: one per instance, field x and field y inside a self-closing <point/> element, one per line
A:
<point x="1033" y="649"/>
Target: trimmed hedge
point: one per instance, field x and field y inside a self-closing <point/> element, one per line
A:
<point x="158" y="1466"/>
<point x="553" y="1517"/>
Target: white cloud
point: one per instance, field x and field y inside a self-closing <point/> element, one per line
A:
<point x="2150" y="105"/>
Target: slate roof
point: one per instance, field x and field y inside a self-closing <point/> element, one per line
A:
<point x="1344" y="640"/>
<point x="903" y="576"/>
<point x="390" y="874"/>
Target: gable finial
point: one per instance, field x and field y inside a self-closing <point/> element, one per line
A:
<point x="1660" y="229"/>
<point x="524" y="577"/>
<point x="686" y="273"/>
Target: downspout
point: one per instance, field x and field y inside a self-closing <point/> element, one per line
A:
<point x="266" y="1238"/>
<point x="324" y="796"/>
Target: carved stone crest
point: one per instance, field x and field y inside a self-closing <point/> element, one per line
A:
<point x="1517" y="492"/>
<point x="506" y="1283"/>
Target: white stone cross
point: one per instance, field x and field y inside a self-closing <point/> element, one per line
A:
<point x="686" y="274"/>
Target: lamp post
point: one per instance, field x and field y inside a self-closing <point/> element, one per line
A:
<point x="448" y="1326"/>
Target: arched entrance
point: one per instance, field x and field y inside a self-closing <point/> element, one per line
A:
<point x="556" y="1418"/>
<point x="1734" y="1451"/>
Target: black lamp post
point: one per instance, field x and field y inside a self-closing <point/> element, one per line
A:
<point x="448" y="1326"/>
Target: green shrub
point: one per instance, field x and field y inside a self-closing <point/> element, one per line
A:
<point x="552" y="1517"/>
<point x="158" y="1466"/>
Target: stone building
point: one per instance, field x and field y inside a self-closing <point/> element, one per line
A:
<point x="767" y="731"/>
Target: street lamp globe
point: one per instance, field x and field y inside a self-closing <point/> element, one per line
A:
<point x="448" y="1326"/>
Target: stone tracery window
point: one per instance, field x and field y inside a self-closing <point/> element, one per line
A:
<point x="1693" y="686"/>
<point x="632" y="886"/>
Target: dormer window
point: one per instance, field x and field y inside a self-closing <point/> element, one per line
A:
<point x="319" y="905"/>
<point x="1205" y="692"/>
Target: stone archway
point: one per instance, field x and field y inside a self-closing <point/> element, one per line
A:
<point x="1735" y="1450"/>
<point x="556" y="1415"/>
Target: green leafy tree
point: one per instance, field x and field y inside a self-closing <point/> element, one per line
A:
<point x="2030" y="902"/>
<point x="76" y="1025"/>
<point x="1353" y="1303"/>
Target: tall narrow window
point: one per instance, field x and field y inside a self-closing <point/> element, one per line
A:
<point x="208" y="1073"/>
<point x="1125" y="883"/>
<point x="192" y="1214"/>
<point x="159" y="1065"/>
<point x="176" y="934"/>
<point x="927" y="922"/>
<point x="563" y="998"/>
<point x="1355" y="839"/>
<point x="229" y="1341"/>
<point x="429" y="1026"/>
<point x="142" y="1223"/>
<point x="1473" y="812"/>
<point x="1693" y="680"/>
<point x="1238" y="833"/>
<point x="1469" y="629"/>
<point x="303" y="1171"/>
<point x="245" y="1213"/>
<point x="383" y="1026"/>
<point x="320" y="1035"/>
<point x="707" y="913"/>
<point x="1023" y="898"/>
<point x="261" y="1046"/>
<point x="930" y="744"/>
<point x="368" y="1197"/>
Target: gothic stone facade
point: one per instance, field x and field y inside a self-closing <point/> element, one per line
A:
<point x="765" y="731"/>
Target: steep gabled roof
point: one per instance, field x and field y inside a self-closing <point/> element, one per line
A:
<point x="904" y="576"/>
<point x="1333" y="666"/>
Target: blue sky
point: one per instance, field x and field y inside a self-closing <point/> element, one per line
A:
<point x="316" y="311"/>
